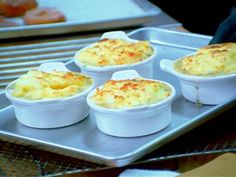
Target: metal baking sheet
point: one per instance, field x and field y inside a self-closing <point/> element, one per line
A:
<point x="83" y="140"/>
<point x="87" y="15"/>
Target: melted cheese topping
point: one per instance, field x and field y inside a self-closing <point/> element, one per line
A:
<point x="130" y="93"/>
<point x="37" y="85"/>
<point x="110" y="52"/>
<point x="213" y="60"/>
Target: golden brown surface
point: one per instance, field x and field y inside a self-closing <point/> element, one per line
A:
<point x="43" y="16"/>
<point x="213" y="60"/>
<point x="36" y="85"/>
<point x="15" y="8"/>
<point x="130" y="93"/>
<point x="111" y="52"/>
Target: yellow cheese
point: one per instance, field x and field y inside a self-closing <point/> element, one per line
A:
<point x="130" y="93"/>
<point x="213" y="60"/>
<point x="37" y="85"/>
<point x="110" y="52"/>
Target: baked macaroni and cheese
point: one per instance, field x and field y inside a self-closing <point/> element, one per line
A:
<point x="117" y="94"/>
<point x="212" y="60"/>
<point x="110" y="52"/>
<point x="37" y="85"/>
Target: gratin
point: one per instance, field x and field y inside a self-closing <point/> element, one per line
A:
<point x="37" y="85"/>
<point x="212" y="60"/>
<point x="117" y="94"/>
<point x="111" y="52"/>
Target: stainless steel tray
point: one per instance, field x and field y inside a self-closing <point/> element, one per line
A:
<point x="83" y="140"/>
<point x="87" y="15"/>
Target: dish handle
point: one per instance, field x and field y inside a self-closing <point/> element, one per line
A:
<point x="115" y="35"/>
<point x="52" y="66"/>
<point x="167" y="65"/>
<point x="125" y="74"/>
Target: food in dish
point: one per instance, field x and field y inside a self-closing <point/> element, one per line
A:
<point x="110" y="52"/>
<point x="51" y="96"/>
<point x="207" y="77"/>
<point x="15" y="8"/>
<point x="118" y="94"/>
<point x="129" y="105"/>
<point x="115" y="52"/>
<point x="43" y="16"/>
<point x="212" y="60"/>
<point x="38" y="85"/>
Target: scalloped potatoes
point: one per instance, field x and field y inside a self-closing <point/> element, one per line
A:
<point x="212" y="60"/>
<point x="110" y="52"/>
<point x="37" y="85"/>
<point x="130" y="93"/>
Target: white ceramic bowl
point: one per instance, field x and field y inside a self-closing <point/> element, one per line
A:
<point x="136" y="121"/>
<point x="50" y="113"/>
<point x="102" y="74"/>
<point x="201" y="89"/>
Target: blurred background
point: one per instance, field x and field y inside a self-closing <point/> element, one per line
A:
<point x="201" y="17"/>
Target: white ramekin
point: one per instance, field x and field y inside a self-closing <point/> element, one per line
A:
<point x="50" y="113"/>
<point x="136" y="121"/>
<point x="200" y="89"/>
<point x="102" y="74"/>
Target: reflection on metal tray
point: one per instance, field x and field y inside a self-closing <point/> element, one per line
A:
<point x="219" y="137"/>
<point x="83" y="140"/>
<point x="87" y="15"/>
